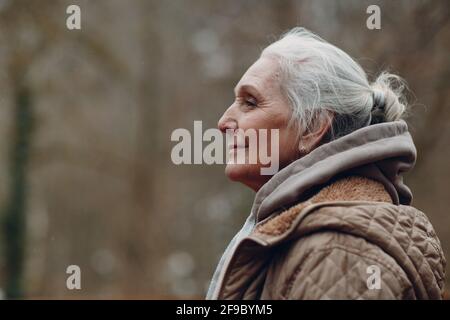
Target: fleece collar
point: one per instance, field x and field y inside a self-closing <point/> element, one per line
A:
<point x="346" y="189"/>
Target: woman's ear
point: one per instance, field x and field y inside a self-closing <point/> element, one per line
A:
<point x="312" y="138"/>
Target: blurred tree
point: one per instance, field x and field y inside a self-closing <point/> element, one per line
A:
<point x="31" y="29"/>
<point x="14" y="214"/>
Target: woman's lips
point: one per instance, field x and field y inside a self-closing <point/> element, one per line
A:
<point x="234" y="147"/>
<point x="238" y="142"/>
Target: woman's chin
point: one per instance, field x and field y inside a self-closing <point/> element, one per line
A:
<point x="248" y="174"/>
<point x="236" y="172"/>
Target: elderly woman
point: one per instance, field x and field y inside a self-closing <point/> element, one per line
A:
<point x="335" y="222"/>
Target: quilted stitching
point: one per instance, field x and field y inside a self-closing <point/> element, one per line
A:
<point x="360" y="261"/>
<point x="401" y="226"/>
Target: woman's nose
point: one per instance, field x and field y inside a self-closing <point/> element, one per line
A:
<point x="227" y="121"/>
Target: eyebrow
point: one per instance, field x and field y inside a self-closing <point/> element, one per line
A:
<point x="248" y="87"/>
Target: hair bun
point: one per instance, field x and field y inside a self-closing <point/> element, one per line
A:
<point x="389" y="101"/>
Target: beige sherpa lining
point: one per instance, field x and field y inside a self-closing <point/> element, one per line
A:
<point x="346" y="189"/>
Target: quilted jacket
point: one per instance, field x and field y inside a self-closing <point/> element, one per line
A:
<point x="337" y="224"/>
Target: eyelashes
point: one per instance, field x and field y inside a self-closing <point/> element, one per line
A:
<point x="251" y="102"/>
<point x="247" y="101"/>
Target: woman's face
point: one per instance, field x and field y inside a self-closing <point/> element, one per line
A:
<point x="259" y="104"/>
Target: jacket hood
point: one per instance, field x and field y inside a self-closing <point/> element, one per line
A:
<point x="382" y="152"/>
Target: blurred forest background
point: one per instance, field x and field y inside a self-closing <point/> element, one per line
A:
<point x="86" y="117"/>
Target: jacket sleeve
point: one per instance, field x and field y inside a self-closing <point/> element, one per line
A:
<point x="336" y="266"/>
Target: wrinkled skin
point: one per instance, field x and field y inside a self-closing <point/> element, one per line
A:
<point x="260" y="104"/>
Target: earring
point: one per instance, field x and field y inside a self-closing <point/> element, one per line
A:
<point x="302" y="149"/>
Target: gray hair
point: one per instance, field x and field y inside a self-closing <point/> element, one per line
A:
<point x="320" y="80"/>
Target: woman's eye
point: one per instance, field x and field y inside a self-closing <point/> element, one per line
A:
<point x="251" y="102"/>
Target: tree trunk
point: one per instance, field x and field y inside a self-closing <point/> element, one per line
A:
<point x="14" y="214"/>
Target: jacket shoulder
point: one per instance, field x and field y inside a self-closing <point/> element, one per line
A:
<point x="334" y="265"/>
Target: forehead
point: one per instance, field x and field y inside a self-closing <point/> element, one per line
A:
<point x="263" y="74"/>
